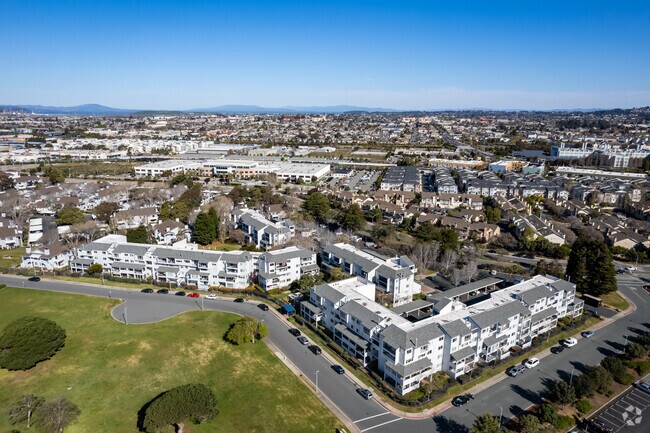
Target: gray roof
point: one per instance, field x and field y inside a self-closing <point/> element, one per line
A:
<point x="535" y="294"/>
<point x="463" y="353"/>
<point x="408" y="369"/>
<point x="365" y="315"/>
<point x="311" y="307"/>
<point x="309" y="268"/>
<point x="203" y="256"/>
<point x="139" y="250"/>
<point x="398" y="337"/>
<point x="492" y="340"/>
<point x="471" y="287"/>
<point x="350" y="257"/>
<point x="125" y="265"/>
<point x="499" y="314"/>
<point x="418" y="304"/>
<point x="251" y="221"/>
<point x="278" y="256"/>
<point x="199" y="273"/>
<point x="168" y="269"/>
<point x="233" y="257"/>
<point x="326" y="291"/>
<point x="457" y="328"/>
<point x="544" y="314"/>
<point x="563" y="285"/>
<point x="83" y="261"/>
<point x="96" y="246"/>
<point x="351" y="335"/>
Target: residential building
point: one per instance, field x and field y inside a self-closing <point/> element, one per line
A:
<point x="402" y="178"/>
<point x="134" y="218"/>
<point x="262" y="232"/>
<point x="279" y="268"/>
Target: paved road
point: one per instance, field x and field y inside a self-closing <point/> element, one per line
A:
<point x="512" y="395"/>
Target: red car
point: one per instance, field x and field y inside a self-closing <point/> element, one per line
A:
<point x="193" y="295"/>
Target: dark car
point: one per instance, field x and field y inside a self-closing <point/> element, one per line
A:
<point x="146" y="290"/>
<point x="315" y="349"/>
<point x="461" y="399"/>
<point x="34" y="278"/>
<point x="514" y="371"/>
<point x="596" y="424"/>
<point x="181" y="293"/>
<point x="295" y="332"/>
<point x="557" y="349"/>
<point x="263" y="307"/>
<point x="338" y="369"/>
<point x="239" y="299"/>
<point x="163" y="291"/>
<point x="365" y="393"/>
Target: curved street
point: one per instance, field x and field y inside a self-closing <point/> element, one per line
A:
<point x="507" y="396"/>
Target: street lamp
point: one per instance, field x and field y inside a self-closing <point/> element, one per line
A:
<point x="624" y="345"/>
<point x="126" y="322"/>
<point x="572" y="370"/>
<point x="317" y="390"/>
<point x="500" y="415"/>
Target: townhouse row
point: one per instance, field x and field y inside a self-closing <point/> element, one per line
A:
<point x="202" y="269"/>
<point x="451" y="332"/>
<point x="260" y="231"/>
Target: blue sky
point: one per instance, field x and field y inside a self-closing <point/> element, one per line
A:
<point x="398" y="54"/>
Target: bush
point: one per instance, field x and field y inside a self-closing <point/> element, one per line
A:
<point x="625" y="379"/>
<point x="28" y="341"/>
<point x="583" y="406"/>
<point x="641" y="367"/>
<point x="548" y="413"/>
<point x="564" y="422"/>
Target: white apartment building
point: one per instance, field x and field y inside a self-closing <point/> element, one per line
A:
<point x="280" y="268"/>
<point x="156" y="169"/>
<point x="393" y="277"/>
<point x="260" y="231"/>
<point x="183" y="265"/>
<point x="413" y="341"/>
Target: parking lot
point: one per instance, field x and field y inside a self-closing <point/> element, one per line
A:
<point x="628" y="413"/>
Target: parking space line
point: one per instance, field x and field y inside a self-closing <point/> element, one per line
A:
<point x="635" y="402"/>
<point x="379" y="425"/>
<point x="609" y="418"/>
<point x="641" y="397"/>
<point x="374" y="416"/>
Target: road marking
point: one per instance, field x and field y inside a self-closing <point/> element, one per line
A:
<point x="374" y="416"/>
<point x="609" y="418"/>
<point x="636" y="401"/>
<point x="641" y="397"/>
<point x="379" y="425"/>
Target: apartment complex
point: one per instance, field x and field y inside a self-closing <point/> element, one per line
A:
<point x="451" y="332"/>
<point x="405" y="178"/>
<point x="393" y="277"/>
<point x="185" y="266"/>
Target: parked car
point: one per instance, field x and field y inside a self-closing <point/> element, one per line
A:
<point x="569" y="342"/>
<point x="514" y="371"/>
<point x="596" y="424"/>
<point x="263" y="307"/>
<point x="315" y="349"/>
<point x="162" y="291"/>
<point x="587" y="334"/>
<point x="34" y="278"/>
<point x="240" y="300"/>
<point x="180" y="293"/>
<point x="211" y="296"/>
<point x="461" y="399"/>
<point x="557" y="349"/>
<point x="643" y="386"/>
<point x="295" y="332"/>
<point x="146" y="291"/>
<point x="531" y="363"/>
<point x="193" y="295"/>
<point x="365" y="393"/>
<point x="303" y="340"/>
<point x="338" y="369"/>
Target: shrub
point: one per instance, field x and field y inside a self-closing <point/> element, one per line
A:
<point x="625" y="379"/>
<point x="635" y="351"/>
<point x="548" y="413"/>
<point x="192" y="402"/>
<point x="28" y="341"/>
<point x="564" y="422"/>
<point x="583" y="406"/>
<point x="641" y="367"/>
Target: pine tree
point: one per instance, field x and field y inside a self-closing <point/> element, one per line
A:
<point x="204" y="230"/>
<point x="214" y="218"/>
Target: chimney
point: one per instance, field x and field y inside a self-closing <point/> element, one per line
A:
<point x="46" y="251"/>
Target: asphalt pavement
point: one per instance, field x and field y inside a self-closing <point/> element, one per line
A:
<point x="509" y="397"/>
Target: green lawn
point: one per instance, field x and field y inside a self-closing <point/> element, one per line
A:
<point x="615" y="300"/>
<point x="222" y="246"/>
<point x="112" y="370"/>
<point x="11" y="257"/>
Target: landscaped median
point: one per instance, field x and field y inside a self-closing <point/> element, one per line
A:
<point x="454" y="388"/>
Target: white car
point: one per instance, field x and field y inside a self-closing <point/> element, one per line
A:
<point x="211" y="296"/>
<point x="569" y="342"/>
<point x="532" y="363"/>
<point x="631" y="269"/>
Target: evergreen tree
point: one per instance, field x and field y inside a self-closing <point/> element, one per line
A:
<point x="487" y="423"/>
<point x="351" y="218"/>
<point x="214" y="219"/>
<point x="204" y="230"/>
<point x="138" y="235"/>
<point x="191" y="402"/>
<point x="591" y="267"/>
<point x="317" y="206"/>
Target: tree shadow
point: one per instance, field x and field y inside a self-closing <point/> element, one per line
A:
<point x="579" y="366"/>
<point x="516" y="410"/>
<point x="143" y="410"/>
<point x="615" y="345"/>
<point x="636" y="330"/>
<point x="446" y="425"/>
<point x="607" y="352"/>
<point x="563" y="374"/>
<point x="528" y="394"/>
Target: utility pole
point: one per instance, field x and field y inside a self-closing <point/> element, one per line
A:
<point x="500" y="415"/>
<point x="317" y="390"/>
<point x="571" y="378"/>
<point x="126" y="322"/>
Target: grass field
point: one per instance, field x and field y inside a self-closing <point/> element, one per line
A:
<point x="615" y="300"/>
<point x="12" y="257"/>
<point x="111" y="370"/>
<point x="222" y="246"/>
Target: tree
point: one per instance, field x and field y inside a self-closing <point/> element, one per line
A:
<point x="351" y="218"/>
<point x="487" y="423"/>
<point x="95" y="269"/>
<point x="584" y="386"/>
<point x="562" y="393"/>
<point x="448" y="260"/>
<point x="246" y="330"/>
<point x="69" y="215"/>
<point x="138" y="235"/>
<point x="591" y="267"/>
<point x="528" y="423"/>
<point x="166" y="211"/>
<point x="6" y="182"/>
<point x="28" y="341"/>
<point x="493" y="215"/>
<point x="105" y="210"/>
<point x="317" y="206"/>
<point x="192" y="402"/>
<point x="601" y="378"/>
<point x="469" y="271"/>
<point x="54" y="417"/>
<point x="204" y="230"/>
<point x="635" y="351"/>
<point x="55" y="175"/>
<point x="86" y="230"/>
<point x="548" y="413"/>
<point x="336" y="274"/>
<point x="425" y="254"/>
<point x="23" y="410"/>
<point x="375" y="215"/>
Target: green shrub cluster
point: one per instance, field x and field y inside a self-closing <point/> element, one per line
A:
<point x="29" y="340"/>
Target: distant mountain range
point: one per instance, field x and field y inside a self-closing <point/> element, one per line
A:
<point x="90" y="109"/>
<point x="96" y="109"/>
